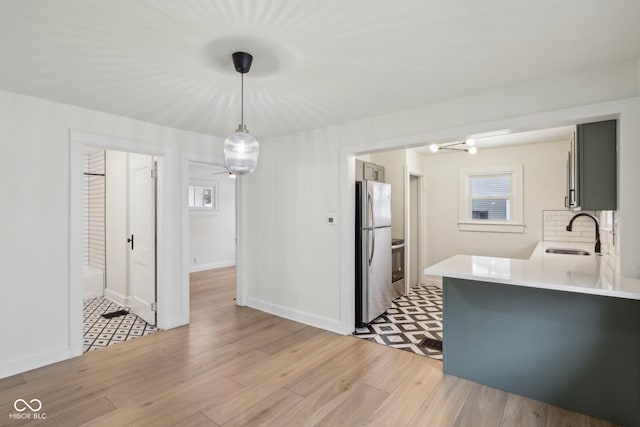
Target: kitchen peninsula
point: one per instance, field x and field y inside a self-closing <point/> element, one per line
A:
<point x="559" y="328"/>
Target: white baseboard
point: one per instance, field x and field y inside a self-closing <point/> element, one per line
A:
<point x="92" y="294"/>
<point x="174" y="322"/>
<point x="212" y="266"/>
<point x="33" y="361"/>
<point x="117" y="298"/>
<point x="297" y="316"/>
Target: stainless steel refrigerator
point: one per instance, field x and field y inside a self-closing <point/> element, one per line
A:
<point x="374" y="290"/>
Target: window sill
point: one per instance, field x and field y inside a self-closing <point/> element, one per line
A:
<point x="203" y="212"/>
<point x="491" y="227"/>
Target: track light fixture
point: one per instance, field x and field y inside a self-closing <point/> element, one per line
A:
<point x="466" y="145"/>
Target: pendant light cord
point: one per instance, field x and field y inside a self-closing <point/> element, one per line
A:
<point x="242" y="100"/>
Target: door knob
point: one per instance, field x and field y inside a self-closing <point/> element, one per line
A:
<point x="130" y="240"/>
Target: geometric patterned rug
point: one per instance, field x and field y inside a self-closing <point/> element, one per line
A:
<point x="100" y="332"/>
<point x="410" y="320"/>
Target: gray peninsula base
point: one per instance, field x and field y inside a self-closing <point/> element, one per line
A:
<point x="577" y="351"/>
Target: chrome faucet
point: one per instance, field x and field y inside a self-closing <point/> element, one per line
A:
<point x="570" y="227"/>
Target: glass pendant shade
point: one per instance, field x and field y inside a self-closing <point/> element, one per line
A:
<point x="241" y="152"/>
<point x="241" y="149"/>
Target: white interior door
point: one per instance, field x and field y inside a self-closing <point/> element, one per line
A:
<point x="142" y="236"/>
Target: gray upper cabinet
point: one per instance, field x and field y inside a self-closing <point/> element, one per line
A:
<point x="369" y="171"/>
<point x="373" y="172"/>
<point x="592" y="167"/>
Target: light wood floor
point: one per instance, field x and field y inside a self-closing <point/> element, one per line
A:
<point x="238" y="366"/>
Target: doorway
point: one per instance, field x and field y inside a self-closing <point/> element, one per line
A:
<point x="413" y="321"/>
<point x="212" y="216"/>
<point x="172" y="268"/>
<point x="119" y="283"/>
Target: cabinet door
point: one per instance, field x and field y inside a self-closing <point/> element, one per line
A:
<point x="370" y="172"/>
<point x="597" y="165"/>
<point x="567" y="197"/>
<point x="373" y="172"/>
<point x="573" y="194"/>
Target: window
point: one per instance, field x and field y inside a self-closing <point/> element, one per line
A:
<point x="203" y="196"/>
<point x="491" y="199"/>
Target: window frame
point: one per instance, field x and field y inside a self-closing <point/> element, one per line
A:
<point x="515" y="224"/>
<point x="214" y="187"/>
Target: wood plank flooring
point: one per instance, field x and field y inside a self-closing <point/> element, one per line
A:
<point x="235" y="366"/>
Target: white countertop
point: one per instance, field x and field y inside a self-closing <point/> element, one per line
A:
<point x="585" y="274"/>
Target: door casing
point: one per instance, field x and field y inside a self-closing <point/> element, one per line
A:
<point x="173" y="306"/>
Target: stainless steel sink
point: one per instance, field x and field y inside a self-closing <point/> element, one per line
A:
<point x="566" y="251"/>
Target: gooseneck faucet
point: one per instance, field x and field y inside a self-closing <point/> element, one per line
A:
<point x="570" y="227"/>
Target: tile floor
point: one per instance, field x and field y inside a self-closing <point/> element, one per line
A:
<point x="410" y="320"/>
<point x="100" y="332"/>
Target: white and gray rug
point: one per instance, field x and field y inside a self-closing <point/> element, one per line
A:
<point x="411" y="319"/>
<point x="100" y="332"/>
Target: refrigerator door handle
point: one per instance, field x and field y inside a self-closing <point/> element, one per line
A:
<point x="372" y="228"/>
<point x="373" y="245"/>
<point x="370" y="203"/>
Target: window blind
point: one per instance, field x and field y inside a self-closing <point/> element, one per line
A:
<point x="491" y="186"/>
<point x="490" y="197"/>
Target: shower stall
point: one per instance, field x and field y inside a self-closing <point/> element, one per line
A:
<point x="93" y="280"/>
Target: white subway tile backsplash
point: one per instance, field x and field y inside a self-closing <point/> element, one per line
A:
<point x="554" y="225"/>
<point x="555" y="239"/>
<point x="581" y="239"/>
<point x="94" y="210"/>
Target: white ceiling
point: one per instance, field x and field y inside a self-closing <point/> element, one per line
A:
<point x="316" y="62"/>
<point x="506" y="138"/>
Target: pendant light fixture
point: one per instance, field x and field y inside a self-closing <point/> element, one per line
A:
<point x="241" y="149"/>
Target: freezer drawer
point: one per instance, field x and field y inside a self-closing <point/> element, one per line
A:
<point x="378" y="291"/>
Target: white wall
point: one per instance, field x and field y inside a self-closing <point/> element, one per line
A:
<point x="298" y="266"/>
<point x="415" y="162"/>
<point x="212" y="234"/>
<point x="545" y="173"/>
<point x="291" y="252"/>
<point x="35" y="244"/>
<point x="117" y="171"/>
